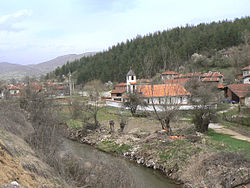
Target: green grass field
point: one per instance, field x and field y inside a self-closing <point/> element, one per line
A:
<point x="231" y="144"/>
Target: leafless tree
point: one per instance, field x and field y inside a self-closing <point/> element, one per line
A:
<point x="123" y="120"/>
<point x="166" y="111"/>
<point x="92" y="106"/>
<point x="45" y="121"/>
<point x="204" y="97"/>
<point x="133" y="101"/>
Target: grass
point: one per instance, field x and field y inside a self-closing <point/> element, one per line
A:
<point x="230" y="144"/>
<point x="236" y="121"/>
<point x="106" y="114"/>
<point x="223" y="106"/>
<point x="110" y="146"/>
<point x="179" y="150"/>
<point x="74" y="124"/>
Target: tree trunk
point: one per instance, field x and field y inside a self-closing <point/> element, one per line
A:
<point x="165" y="124"/>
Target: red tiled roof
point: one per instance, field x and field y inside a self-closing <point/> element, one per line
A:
<point x="176" y="81"/>
<point x="246" y="68"/>
<point x="13" y="87"/>
<point x="227" y="52"/>
<point x="35" y="86"/>
<point x="51" y="84"/>
<point x="162" y="90"/>
<point x="212" y="79"/>
<point x="170" y="73"/>
<point x="188" y="75"/>
<point x="133" y="83"/>
<point x="240" y="89"/>
<point x="60" y="87"/>
<point x="212" y="74"/>
<point x="118" y="90"/>
<point x="220" y="86"/>
<point x="121" y="85"/>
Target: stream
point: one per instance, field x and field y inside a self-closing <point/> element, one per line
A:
<point x="117" y="168"/>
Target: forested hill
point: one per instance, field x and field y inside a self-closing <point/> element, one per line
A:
<point x="166" y="50"/>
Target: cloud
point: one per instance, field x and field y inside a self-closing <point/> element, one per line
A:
<point x="10" y="22"/>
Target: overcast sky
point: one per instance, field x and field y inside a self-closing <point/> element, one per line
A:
<point x="33" y="31"/>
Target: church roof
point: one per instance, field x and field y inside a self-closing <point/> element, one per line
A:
<point x="130" y="73"/>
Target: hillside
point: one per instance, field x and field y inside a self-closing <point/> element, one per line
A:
<point x="9" y="71"/>
<point x="166" y="50"/>
<point x="48" y="66"/>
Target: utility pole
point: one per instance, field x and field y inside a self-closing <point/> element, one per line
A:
<point x="70" y="87"/>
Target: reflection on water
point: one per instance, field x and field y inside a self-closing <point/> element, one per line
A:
<point x="115" y="167"/>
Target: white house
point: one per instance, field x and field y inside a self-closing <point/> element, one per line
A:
<point x="162" y="94"/>
<point x="246" y="75"/>
<point x="168" y="75"/>
<point x="157" y="94"/>
<point x="14" y="90"/>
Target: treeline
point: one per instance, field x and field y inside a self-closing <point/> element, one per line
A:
<point x="166" y="50"/>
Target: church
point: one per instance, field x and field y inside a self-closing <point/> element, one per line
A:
<point x="158" y="94"/>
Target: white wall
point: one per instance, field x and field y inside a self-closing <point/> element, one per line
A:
<point x="116" y="104"/>
<point x="129" y="81"/>
<point x="245" y="73"/>
<point x="246" y="80"/>
<point x="157" y="107"/>
<point x="168" y="100"/>
<point x="14" y="92"/>
<point x="247" y="101"/>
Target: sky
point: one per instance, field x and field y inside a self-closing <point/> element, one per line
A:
<point x="34" y="31"/>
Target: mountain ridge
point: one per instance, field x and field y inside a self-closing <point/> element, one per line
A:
<point x="16" y="71"/>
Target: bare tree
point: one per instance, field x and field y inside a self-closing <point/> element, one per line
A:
<point x="45" y="121"/>
<point x="204" y="95"/>
<point x="166" y="111"/>
<point x="92" y="106"/>
<point x="240" y="56"/>
<point x="123" y="120"/>
<point x="133" y="101"/>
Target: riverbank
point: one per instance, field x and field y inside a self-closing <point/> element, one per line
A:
<point x="192" y="160"/>
<point x="19" y="164"/>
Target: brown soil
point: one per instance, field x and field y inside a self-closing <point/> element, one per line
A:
<point x="12" y="170"/>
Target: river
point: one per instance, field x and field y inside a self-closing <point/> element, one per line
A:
<point x="120" y="170"/>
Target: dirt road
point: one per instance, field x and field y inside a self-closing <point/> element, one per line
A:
<point x="221" y="129"/>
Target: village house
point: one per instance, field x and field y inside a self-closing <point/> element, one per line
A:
<point x="118" y="93"/>
<point x="246" y="75"/>
<point x="169" y="75"/>
<point x="14" y="91"/>
<point x="170" y="94"/>
<point x="240" y="92"/>
<point x="210" y="77"/>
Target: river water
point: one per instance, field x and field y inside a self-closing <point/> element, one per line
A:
<point x="136" y="175"/>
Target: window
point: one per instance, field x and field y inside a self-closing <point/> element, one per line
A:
<point x="132" y="77"/>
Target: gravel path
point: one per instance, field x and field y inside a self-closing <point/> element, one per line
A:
<point x="220" y="129"/>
